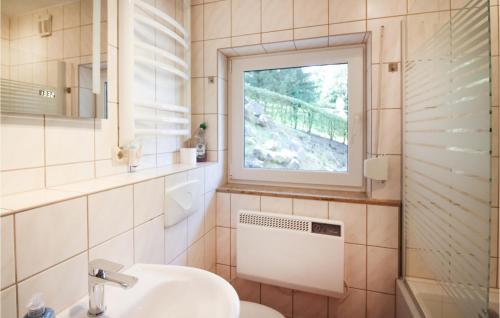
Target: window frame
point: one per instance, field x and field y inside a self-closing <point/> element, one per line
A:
<point x="354" y="57"/>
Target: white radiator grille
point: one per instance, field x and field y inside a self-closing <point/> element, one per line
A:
<point x="274" y="222"/>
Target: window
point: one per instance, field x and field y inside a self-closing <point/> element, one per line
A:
<point x="298" y="117"/>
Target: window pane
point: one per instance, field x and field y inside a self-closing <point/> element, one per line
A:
<point x="296" y="118"/>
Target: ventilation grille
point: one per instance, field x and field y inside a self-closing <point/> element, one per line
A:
<point x="274" y="222"/>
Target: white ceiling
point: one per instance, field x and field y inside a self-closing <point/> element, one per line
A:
<point x="18" y="7"/>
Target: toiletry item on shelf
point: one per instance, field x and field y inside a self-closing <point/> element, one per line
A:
<point x="36" y="308"/>
<point x="199" y="142"/>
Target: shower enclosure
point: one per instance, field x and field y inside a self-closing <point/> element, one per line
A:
<point x="447" y="164"/>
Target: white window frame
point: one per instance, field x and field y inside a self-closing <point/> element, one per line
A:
<point x="354" y="57"/>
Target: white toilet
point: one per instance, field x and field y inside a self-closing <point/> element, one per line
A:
<point x="253" y="310"/>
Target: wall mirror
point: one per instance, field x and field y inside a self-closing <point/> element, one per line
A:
<point x="54" y="59"/>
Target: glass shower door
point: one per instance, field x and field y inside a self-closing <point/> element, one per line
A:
<point x="446" y="165"/>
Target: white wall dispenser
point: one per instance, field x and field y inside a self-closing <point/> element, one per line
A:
<point x="181" y="201"/>
<point x="291" y="251"/>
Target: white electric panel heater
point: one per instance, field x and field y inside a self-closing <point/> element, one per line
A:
<point x="291" y="251"/>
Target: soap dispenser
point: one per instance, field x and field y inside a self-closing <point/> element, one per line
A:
<point x="36" y="308"/>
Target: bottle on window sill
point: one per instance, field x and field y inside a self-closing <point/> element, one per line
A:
<point x="199" y="142"/>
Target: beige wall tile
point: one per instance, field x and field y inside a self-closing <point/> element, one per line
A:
<point x="61" y="285"/>
<point x="197" y="59"/>
<point x="86" y="40"/>
<point x="278" y="36"/>
<point x="197" y="95"/>
<point x="494" y="31"/>
<point x="197" y="23"/>
<point x="196" y="254"/>
<point x="68" y="141"/>
<point x="34" y="240"/>
<point x="217" y="20"/>
<point x="8" y="269"/>
<point x="106" y="133"/>
<point x="8" y="302"/>
<point x="391" y="87"/>
<point x="234" y="234"/>
<point x="342" y="11"/>
<point x="210" y="96"/>
<point x="277" y="298"/>
<point x="494" y="132"/>
<point x="310" y="32"/>
<point x="223" y="236"/>
<point x="224" y="271"/>
<point x="247" y="290"/>
<point x="22" y="143"/>
<point x="347" y="27"/>
<point x="391" y="189"/>
<point x="419" y="6"/>
<point x="210" y="210"/>
<point x="353" y="307"/>
<point x="494" y="80"/>
<point x="69" y="173"/>
<point x="175" y="241"/>
<point x="210" y="54"/>
<point x="212" y="131"/>
<point x="389" y="141"/>
<point x="383" y="226"/>
<point x="245" y="17"/>
<point x="380" y="305"/>
<point x="250" y="50"/>
<point x="148" y="200"/>
<point x="108" y="167"/>
<point x="119" y="249"/>
<point x="494" y="233"/>
<point x="180" y="260"/>
<point x="149" y="242"/>
<point x="382" y="269"/>
<point x="305" y="14"/>
<point x="198" y="175"/>
<point x="277" y="15"/>
<point x="276" y="205"/>
<point x="71" y="43"/>
<point x="244" y="40"/>
<point x="15" y="181"/>
<point x="392" y="39"/>
<point x="354" y="218"/>
<point x="110" y="213"/>
<point x="210" y="241"/>
<point x="71" y="15"/>
<point x="385" y="8"/>
<point x="493" y="272"/>
<point x="223" y="209"/>
<point x="355" y="265"/>
<point x="306" y="305"/>
<point x="310" y="208"/>
<point x="421" y="28"/>
<point x="243" y="202"/>
<point x="196" y="226"/>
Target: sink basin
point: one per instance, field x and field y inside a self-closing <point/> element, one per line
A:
<point x="166" y="291"/>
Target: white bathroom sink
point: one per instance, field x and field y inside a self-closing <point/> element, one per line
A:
<point x="166" y="291"/>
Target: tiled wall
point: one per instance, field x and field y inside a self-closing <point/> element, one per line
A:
<point x="371" y="256"/>
<point x="47" y="249"/>
<point x="43" y="151"/>
<point x="266" y="25"/>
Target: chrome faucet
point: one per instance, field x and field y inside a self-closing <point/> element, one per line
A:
<point x="103" y="272"/>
